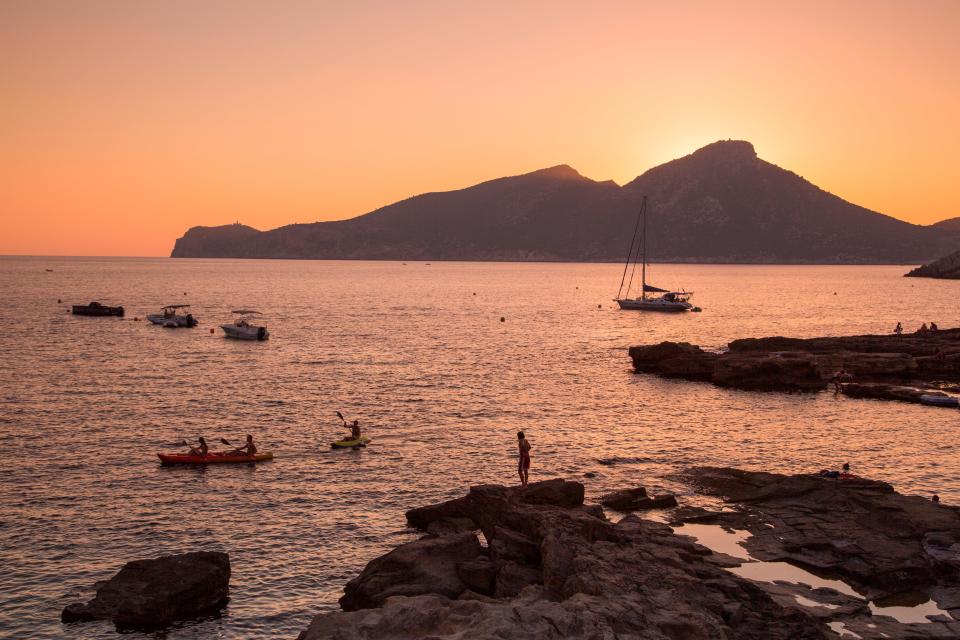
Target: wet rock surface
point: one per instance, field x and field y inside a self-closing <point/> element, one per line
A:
<point x="882" y="543"/>
<point x="153" y="593"/>
<point x="556" y="568"/>
<point x="636" y="499"/>
<point x="928" y="360"/>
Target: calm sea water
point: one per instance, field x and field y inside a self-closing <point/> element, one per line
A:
<point x="419" y="355"/>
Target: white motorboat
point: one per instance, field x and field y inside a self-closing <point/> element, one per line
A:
<point x="243" y="328"/>
<point x="173" y="316"/>
<point x="669" y="300"/>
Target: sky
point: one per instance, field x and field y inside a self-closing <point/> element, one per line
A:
<point x="122" y="124"/>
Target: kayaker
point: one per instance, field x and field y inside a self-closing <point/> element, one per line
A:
<point x="202" y="450"/>
<point x="355" y="430"/>
<point x="523" y="465"/>
<point x="248" y="449"/>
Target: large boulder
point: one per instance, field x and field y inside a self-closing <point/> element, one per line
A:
<point x="153" y="593"/>
<point x="427" y="565"/>
<point x="674" y="359"/>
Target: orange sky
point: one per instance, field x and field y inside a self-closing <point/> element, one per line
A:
<point x="124" y="123"/>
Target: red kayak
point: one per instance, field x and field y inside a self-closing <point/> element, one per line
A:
<point x="213" y="458"/>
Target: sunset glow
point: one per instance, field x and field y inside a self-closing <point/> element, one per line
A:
<point x="124" y="123"/>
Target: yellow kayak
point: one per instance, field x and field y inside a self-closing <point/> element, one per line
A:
<point x="350" y="444"/>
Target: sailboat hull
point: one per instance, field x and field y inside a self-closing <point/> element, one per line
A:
<point x="654" y="304"/>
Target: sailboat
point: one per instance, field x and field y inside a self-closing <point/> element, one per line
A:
<point x="668" y="300"/>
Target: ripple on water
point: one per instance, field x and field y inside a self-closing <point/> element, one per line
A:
<point x="441" y="384"/>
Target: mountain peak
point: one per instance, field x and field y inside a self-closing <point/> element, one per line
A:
<point x="732" y="149"/>
<point x="560" y="172"/>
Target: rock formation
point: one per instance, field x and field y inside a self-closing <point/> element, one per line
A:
<point x="554" y="568"/>
<point x="153" y="593"/>
<point x="946" y="267"/>
<point x="880" y="542"/>
<point x="895" y="367"/>
<point x="719" y="204"/>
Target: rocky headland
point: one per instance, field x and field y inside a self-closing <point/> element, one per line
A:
<point x="537" y="562"/>
<point x="947" y="267"/>
<point x="896" y="367"/>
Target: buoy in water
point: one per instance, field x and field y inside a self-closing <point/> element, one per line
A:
<point x="211" y="330"/>
<point x="502" y="319"/>
<point x="59" y="301"/>
<point x="599" y="306"/>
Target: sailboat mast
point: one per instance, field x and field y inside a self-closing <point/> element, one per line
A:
<point x="643" y="244"/>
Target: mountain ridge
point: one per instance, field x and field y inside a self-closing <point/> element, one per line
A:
<point x="721" y="203"/>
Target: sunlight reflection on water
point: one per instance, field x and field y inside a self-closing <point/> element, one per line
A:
<point x="440" y="384"/>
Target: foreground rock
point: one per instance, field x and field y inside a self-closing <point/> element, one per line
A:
<point x="925" y="361"/>
<point x="882" y="543"/>
<point x="554" y="568"/>
<point x="636" y="499"/>
<point x="153" y="593"/>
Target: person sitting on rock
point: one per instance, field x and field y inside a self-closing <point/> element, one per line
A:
<point x="523" y="466"/>
<point x="934" y="327"/>
<point x="899" y="329"/>
<point x="923" y="328"/>
<point x="201" y="450"/>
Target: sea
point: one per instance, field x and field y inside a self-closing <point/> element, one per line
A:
<point x="442" y="363"/>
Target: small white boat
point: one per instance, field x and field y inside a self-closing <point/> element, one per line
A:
<point x="243" y="328"/>
<point x="173" y="316"/>
<point x="669" y="300"/>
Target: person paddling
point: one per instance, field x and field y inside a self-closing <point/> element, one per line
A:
<point x="249" y="449"/>
<point x="523" y="466"/>
<point x="201" y="450"/>
<point x="354" y="428"/>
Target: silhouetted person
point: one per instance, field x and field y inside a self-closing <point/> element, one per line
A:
<point x="838" y="377"/>
<point x="355" y="430"/>
<point x="899" y="329"/>
<point x="933" y="326"/>
<point x="202" y="450"/>
<point x="249" y="449"/>
<point x="523" y="465"/>
<point x="923" y="328"/>
<point x="936" y="498"/>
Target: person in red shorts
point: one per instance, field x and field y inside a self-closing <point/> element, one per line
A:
<point x="523" y="467"/>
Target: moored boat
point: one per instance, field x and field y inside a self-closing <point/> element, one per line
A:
<point x="96" y="309"/>
<point x="243" y="328"/>
<point x="174" y="315"/>
<point x="167" y="459"/>
<point x="669" y="300"/>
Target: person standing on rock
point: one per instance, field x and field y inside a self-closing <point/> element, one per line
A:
<point x="523" y="466"/>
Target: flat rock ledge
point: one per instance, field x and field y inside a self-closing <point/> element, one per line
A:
<point x="553" y="567"/>
<point x="924" y="362"/>
<point x="149" y="594"/>
<point x="884" y="544"/>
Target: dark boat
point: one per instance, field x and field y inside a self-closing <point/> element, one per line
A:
<point x="96" y="309"/>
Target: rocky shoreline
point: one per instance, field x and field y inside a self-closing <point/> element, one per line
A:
<point x="537" y="562"/>
<point x="893" y="367"/>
